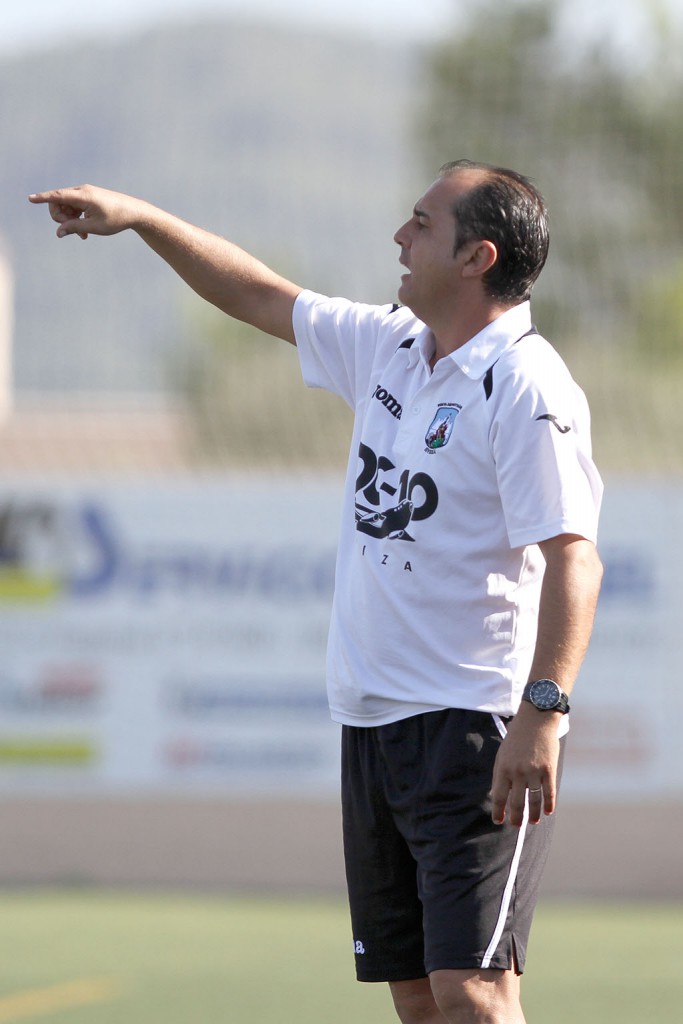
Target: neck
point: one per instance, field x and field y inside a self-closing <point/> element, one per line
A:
<point x="456" y="332"/>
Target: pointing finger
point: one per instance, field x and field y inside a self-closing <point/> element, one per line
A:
<point x="57" y="195"/>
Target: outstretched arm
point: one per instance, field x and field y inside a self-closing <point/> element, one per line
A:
<point x="217" y="270"/>
<point x="528" y="756"/>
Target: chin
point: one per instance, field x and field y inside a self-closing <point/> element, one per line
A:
<point x="404" y="297"/>
<point x="403" y="293"/>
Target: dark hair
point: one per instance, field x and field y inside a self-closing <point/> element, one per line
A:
<point x="507" y="209"/>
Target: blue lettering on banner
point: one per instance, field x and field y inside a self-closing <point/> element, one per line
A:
<point x="215" y="697"/>
<point x="83" y="555"/>
<point x="101" y="543"/>
<point x="627" y="574"/>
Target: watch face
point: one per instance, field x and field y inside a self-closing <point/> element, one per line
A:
<point x="545" y="694"/>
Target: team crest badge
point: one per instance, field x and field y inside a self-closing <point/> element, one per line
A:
<point x="441" y="427"/>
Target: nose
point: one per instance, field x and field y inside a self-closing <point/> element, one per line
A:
<point x="401" y="236"/>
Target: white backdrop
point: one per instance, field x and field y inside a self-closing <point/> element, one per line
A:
<point x="170" y="637"/>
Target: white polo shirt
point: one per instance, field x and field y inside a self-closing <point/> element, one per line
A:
<point x="454" y="477"/>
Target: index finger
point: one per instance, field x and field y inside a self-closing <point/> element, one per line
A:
<point x="57" y="195"/>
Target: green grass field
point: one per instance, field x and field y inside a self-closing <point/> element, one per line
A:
<point x="105" y="958"/>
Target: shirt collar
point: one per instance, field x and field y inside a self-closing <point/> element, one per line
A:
<point x="422" y="349"/>
<point x="480" y="352"/>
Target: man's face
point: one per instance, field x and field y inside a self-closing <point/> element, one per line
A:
<point x="427" y="242"/>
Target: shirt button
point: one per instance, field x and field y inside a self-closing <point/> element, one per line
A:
<point x="416" y="410"/>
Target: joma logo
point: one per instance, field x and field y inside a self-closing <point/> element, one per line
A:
<point x="388" y="401"/>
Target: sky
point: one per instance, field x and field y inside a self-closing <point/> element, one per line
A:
<point x="34" y="24"/>
<point x="29" y="24"/>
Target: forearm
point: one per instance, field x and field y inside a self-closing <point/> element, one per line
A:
<point x="526" y="766"/>
<point x="220" y="272"/>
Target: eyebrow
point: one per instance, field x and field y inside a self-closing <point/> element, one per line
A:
<point x="417" y="212"/>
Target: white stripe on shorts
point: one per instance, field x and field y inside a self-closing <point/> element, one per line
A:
<point x="507" y="893"/>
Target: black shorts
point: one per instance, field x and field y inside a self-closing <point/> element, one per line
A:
<point x="433" y="883"/>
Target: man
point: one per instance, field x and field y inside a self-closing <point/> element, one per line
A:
<point x="467" y="575"/>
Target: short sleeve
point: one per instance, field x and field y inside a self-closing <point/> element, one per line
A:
<point x="337" y="341"/>
<point x="540" y="439"/>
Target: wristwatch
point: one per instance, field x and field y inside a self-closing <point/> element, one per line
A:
<point x="546" y="695"/>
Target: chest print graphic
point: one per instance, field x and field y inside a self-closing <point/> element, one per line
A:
<point x="440" y="429"/>
<point x="389" y="500"/>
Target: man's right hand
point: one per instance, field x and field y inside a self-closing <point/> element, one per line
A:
<point x="86" y="209"/>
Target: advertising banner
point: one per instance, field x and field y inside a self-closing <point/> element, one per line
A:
<point x="166" y="636"/>
<point x="169" y="637"/>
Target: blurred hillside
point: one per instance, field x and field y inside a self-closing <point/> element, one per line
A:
<point x="295" y="146"/>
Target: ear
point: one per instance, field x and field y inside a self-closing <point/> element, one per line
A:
<point x="479" y="257"/>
